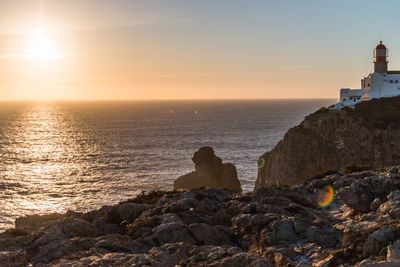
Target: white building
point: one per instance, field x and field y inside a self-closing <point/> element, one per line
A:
<point x="381" y="83"/>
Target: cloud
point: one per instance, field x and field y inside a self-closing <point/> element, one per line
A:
<point x="298" y="67"/>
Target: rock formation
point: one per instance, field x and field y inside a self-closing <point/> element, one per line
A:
<point x="217" y="227"/>
<point x="365" y="137"/>
<point x="209" y="171"/>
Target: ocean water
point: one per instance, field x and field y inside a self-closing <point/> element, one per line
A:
<point x="82" y="155"/>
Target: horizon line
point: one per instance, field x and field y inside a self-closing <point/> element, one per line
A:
<point x="161" y="99"/>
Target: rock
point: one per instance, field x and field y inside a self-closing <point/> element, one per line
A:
<point x="14" y="258"/>
<point x="380" y="239"/>
<point x="369" y="263"/>
<point x="61" y="248"/>
<point x="173" y="232"/>
<point x="126" y="211"/>
<point x="392" y="206"/>
<point x="375" y="204"/>
<point x="37" y="221"/>
<point x="393" y="253"/>
<point x="68" y="228"/>
<point x="282" y="231"/>
<point x="360" y="194"/>
<point x="170" y="254"/>
<point x="327" y="141"/>
<point x="244" y="259"/>
<point x="211" y="235"/>
<point x="209" y="172"/>
<point x="280" y="226"/>
<point x="109" y="259"/>
<point x="327" y="261"/>
<point x="118" y="243"/>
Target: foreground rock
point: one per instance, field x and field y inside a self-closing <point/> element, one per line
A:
<point x="216" y="227"/>
<point x="366" y="137"/>
<point x="209" y="171"/>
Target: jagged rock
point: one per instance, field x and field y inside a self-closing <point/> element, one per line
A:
<point x="118" y="243"/>
<point x="110" y="259"/>
<point x="209" y="172"/>
<point x="380" y="239"/>
<point x="126" y="211"/>
<point x="13" y="258"/>
<point x="37" y="221"/>
<point x="375" y="204"/>
<point x="211" y="235"/>
<point x="51" y="238"/>
<point x="282" y="226"/>
<point x="281" y="231"/>
<point x="170" y="254"/>
<point x="61" y="248"/>
<point x="370" y="263"/>
<point x="243" y="259"/>
<point x="362" y="192"/>
<point x="173" y="232"/>
<point x="326" y="141"/>
<point x="393" y="253"/>
<point x="392" y="206"/>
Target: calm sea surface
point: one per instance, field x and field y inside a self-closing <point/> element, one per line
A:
<point x="82" y="155"/>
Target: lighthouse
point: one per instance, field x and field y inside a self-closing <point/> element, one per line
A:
<point x="381" y="83"/>
<point x="380" y="58"/>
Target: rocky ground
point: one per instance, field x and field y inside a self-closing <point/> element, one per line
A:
<point x="216" y="227"/>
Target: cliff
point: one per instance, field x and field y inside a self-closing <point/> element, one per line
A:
<point x="302" y="225"/>
<point x="365" y="137"/>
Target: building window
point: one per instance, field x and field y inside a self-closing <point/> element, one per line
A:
<point x="396" y="81"/>
<point x="369" y="85"/>
<point x="391" y="81"/>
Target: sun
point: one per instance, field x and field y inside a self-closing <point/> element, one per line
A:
<point x="41" y="47"/>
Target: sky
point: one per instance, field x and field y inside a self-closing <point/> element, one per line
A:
<point x="186" y="49"/>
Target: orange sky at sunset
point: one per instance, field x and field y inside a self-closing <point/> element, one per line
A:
<point x="183" y="50"/>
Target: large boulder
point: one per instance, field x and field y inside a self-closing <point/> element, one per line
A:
<point x="209" y="172"/>
<point x="364" y="137"/>
<point x="380" y="239"/>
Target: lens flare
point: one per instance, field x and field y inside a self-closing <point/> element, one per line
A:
<point x="326" y="196"/>
<point x="261" y="163"/>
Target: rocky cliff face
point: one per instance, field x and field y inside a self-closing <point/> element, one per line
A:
<point x="366" y="137"/>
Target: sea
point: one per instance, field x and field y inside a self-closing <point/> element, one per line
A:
<point x="59" y="156"/>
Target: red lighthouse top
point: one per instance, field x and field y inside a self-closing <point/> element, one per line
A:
<point x="381" y="46"/>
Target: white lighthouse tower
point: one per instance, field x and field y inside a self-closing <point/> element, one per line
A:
<point x="381" y="83"/>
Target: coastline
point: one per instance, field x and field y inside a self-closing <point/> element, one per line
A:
<point x="274" y="226"/>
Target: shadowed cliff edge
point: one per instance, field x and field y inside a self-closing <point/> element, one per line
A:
<point x="365" y="137"/>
